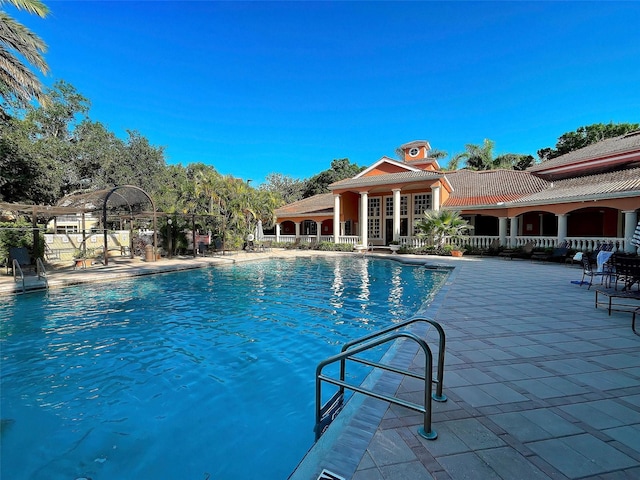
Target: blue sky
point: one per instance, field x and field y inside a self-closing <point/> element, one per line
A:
<point x="262" y="87"/>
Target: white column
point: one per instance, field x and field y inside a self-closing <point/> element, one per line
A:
<point x="364" y="218"/>
<point x="435" y="198"/>
<point x="396" y="214"/>
<point x="318" y="231"/>
<point x="297" y="229"/>
<point x="336" y="218"/>
<point x="514" y="231"/>
<point x="342" y="228"/>
<point x="502" y="231"/>
<point x="277" y="232"/>
<point x="562" y="227"/>
<point x="630" y="222"/>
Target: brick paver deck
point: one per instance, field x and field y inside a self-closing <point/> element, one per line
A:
<point x="540" y="385"/>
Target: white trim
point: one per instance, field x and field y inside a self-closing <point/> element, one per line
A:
<point x="389" y="161"/>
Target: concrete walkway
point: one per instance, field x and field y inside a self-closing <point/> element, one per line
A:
<point x="540" y="384"/>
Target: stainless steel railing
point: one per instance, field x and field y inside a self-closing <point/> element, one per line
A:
<point x="349" y="352"/>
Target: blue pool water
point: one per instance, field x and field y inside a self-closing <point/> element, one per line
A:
<point x="206" y="374"/>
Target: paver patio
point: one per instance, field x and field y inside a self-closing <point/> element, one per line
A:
<point x="540" y="385"/>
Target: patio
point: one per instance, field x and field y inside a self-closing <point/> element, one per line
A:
<point x="540" y="385"/>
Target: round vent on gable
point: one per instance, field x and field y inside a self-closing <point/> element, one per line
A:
<point x="414" y="152"/>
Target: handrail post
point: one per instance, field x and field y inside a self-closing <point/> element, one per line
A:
<point x="17" y="268"/>
<point x="426" y="430"/>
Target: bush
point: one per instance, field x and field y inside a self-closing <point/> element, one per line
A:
<point x="18" y="234"/>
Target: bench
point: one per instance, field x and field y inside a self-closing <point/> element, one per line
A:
<point x="624" y="295"/>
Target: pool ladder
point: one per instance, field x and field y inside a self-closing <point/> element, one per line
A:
<point x="326" y="413"/>
<point x="41" y="272"/>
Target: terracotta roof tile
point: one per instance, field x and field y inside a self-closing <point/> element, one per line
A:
<point x="316" y="205"/>
<point x="588" y="186"/>
<point x="603" y="148"/>
<point x="490" y="187"/>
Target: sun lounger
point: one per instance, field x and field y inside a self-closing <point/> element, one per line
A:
<point x="523" y="252"/>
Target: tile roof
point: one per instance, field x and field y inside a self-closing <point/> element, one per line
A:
<point x="491" y="187"/>
<point x="603" y="148"/>
<point x="587" y="187"/>
<point x="321" y="204"/>
<point x="389" y="178"/>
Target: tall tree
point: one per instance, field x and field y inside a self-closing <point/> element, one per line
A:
<point x="16" y="41"/>
<point x="340" y="169"/>
<point x="288" y="188"/>
<point x="478" y="157"/>
<point x="583" y="136"/>
<point x="513" y="161"/>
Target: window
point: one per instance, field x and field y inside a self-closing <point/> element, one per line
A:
<point x="374" y="228"/>
<point x="421" y="203"/>
<point x="374" y="207"/>
<point x="374" y="214"/>
<point x="388" y="207"/>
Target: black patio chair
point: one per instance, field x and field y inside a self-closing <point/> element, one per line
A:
<point x="588" y="271"/>
<point x="21" y="256"/>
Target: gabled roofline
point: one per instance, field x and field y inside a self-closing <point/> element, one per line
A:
<point x="386" y="159"/>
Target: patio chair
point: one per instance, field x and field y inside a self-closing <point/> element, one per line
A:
<point x="20" y="255"/>
<point x="588" y="271"/>
<point x="492" y="249"/>
<point x="626" y="270"/>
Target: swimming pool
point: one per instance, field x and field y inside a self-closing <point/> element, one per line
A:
<point x="199" y="374"/>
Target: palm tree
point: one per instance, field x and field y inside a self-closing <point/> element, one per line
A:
<point x="16" y="80"/>
<point x="479" y="157"/>
<point x="440" y="224"/>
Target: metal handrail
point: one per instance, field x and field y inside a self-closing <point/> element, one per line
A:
<point x="41" y="271"/>
<point x="16" y="268"/>
<point x="438" y="396"/>
<point x="424" y="431"/>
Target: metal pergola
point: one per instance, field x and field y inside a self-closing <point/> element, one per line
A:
<point x="124" y="202"/>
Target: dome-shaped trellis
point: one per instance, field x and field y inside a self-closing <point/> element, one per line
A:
<point x="121" y="201"/>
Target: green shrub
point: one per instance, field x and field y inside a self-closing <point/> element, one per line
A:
<point x="19" y="234"/>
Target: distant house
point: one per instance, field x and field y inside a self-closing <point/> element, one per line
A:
<point x="585" y="198"/>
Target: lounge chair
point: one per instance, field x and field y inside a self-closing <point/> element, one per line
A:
<point x="522" y="252"/>
<point x="492" y="249"/>
<point x="559" y="254"/>
<point x="21" y="256"/>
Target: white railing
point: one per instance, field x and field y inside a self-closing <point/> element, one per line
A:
<point x="590" y="244"/>
<point x="584" y="244"/>
<point x="350" y="239"/>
